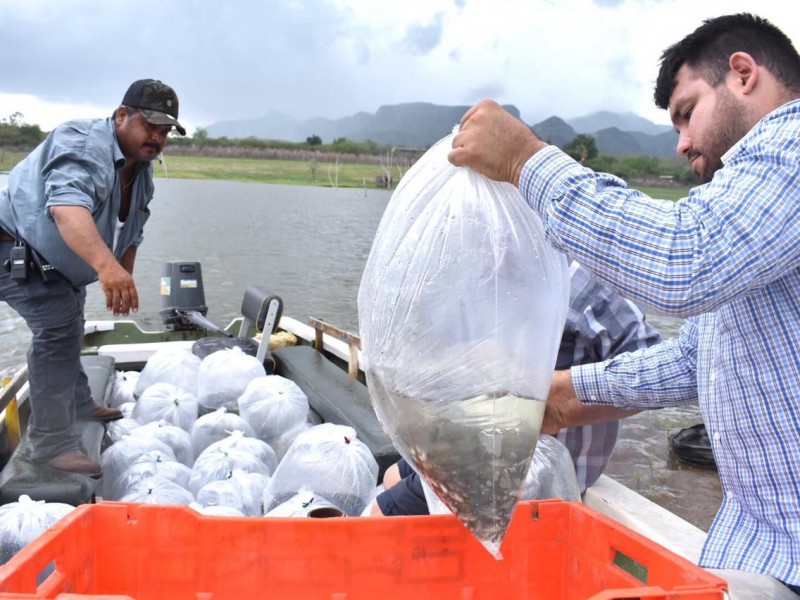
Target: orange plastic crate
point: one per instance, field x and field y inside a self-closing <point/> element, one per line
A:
<point x="553" y="550"/>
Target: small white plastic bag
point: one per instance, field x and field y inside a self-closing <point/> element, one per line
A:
<point x="552" y="473"/>
<point x="158" y="491"/>
<point x="215" y="463"/>
<point x="121" y="455"/>
<point x="168" y="402"/>
<point x="223" y="377"/>
<point x="461" y="309"/>
<point x="306" y="503"/>
<point x="23" y="521"/>
<point x="216" y="426"/>
<point x="250" y="445"/>
<point x="330" y="461"/>
<point x="151" y="465"/>
<point x="273" y="405"/>
<point x="124" y="386"/>
<point x="173" y="436"/>
<point x="169" y="365"/>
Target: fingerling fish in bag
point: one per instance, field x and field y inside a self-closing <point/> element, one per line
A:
<point x="461" y="308"/>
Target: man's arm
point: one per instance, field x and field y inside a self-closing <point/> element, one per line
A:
<point x="80" y="233"/>
<point x="564" y="409"/>
<point x="128" y="259"/>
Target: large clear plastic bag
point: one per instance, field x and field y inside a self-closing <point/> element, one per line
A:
<point x="332" y="462"/>
<point x="23" y="521"/>
<point x="461" y="309"/>
<point x="170" y="365"/>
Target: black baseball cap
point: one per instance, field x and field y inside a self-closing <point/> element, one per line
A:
<point x="157" y="102"/>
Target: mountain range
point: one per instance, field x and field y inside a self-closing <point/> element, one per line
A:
<point x="421" y="124"/>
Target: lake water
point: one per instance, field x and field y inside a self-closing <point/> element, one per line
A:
<point x="309" y="245"/>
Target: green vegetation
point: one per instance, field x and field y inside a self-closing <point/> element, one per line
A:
<point x="342" y="163"/>
<point x="9" y="158"/>
<point x="15" y="133"/>
<point x="300" y="173"/>
<point x="582" y="148"/>
<point x="664" y="193"/>
<point x="200" y="139"/>
<point x="259" y="170"/>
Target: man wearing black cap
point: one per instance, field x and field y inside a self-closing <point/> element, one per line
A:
<point x="73" y="213"/>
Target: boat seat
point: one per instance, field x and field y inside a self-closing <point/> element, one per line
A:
<point x="337" y="398"/>
<point x="21" y="476"/>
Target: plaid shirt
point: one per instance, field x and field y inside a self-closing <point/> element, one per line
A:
<point x="730" y="254"/>
<point x="600" y="324"/>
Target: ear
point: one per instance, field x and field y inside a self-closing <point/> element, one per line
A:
<point x="744" y="72"/>
<point x="121" y="115"/>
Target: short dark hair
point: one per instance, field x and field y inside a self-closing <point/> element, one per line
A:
<point x="708" y="50"/>
<point x="131" y="111"/>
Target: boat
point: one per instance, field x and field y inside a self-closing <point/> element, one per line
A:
<point x="326" y="363"/>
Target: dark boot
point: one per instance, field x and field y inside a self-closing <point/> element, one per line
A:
<point x="104" y="414"/>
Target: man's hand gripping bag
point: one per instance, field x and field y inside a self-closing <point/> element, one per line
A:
<point x="461" y="309"/>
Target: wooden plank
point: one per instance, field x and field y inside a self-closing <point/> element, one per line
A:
<point x="332" y="330"/>
<point x="322" y="328"/>
<point x="13" y="427"/>
<point x="9" y="402"/>
<point x="9" y="391"/>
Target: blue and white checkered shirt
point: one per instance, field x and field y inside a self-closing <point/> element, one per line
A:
<point x="600" y="324"/>
<point x="729" y="253"/>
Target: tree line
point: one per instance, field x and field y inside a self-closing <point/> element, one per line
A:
<point x="16" y="134"/>
<point x="584" y="149"/>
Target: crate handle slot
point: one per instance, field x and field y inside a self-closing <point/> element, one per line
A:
<point x="631" y="566"/>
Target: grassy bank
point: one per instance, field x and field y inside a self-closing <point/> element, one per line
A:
<point x="300" y="173"/>
<point x="665" y="193"/>
<point x="271" y="171"/>
<point x="8" y="159"/>
<point x="291" y="172"/>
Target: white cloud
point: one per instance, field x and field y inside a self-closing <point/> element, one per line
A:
<point x="333" y="58"/>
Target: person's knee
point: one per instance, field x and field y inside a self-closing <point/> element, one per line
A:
<point x="391" y="477"/>
<point x="375" y="510"/>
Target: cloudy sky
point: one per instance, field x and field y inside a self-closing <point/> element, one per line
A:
<point x="332" y="58"/>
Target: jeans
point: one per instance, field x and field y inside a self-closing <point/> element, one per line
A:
<point x="53" y="311"/>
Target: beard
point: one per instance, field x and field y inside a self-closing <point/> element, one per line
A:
<point x="731" y="123"/>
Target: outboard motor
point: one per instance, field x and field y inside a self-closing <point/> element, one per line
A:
<point x="183" y="301"/>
